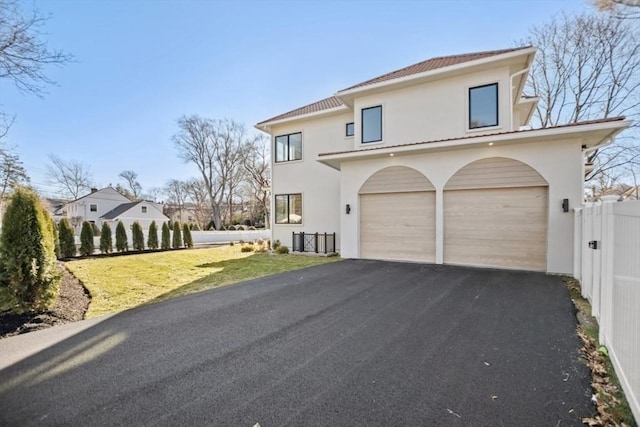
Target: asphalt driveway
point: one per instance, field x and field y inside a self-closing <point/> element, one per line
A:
<point x="349" y="343"/>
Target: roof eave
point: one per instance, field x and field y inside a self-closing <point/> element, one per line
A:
<point x="266" y="126"/>
<point x="614" y="127"/>
<point x="530" y="51"/>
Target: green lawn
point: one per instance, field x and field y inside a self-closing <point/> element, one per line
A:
<point x="118" y="283"/>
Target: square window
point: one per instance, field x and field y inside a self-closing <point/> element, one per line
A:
<point x="144" y="209"/>
<point x="372" y="124"/>
<point x="93" y="208"/>
<point x="350" y="129"/>
<point x="483" y="106"/>
<point x="288" y="208"/>
<point x="289" y="147"/>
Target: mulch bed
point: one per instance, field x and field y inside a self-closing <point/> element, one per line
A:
<point x="70" y="307"/>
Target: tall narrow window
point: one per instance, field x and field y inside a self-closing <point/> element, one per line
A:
<point x="144" y="209"/>
<point x="288" y="209"/>
<point x="483" y="106"/>
<point x="289" y="147"/>
<point x="372" y="124"/>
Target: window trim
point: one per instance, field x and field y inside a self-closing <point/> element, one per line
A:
<point x="92" y="206"/>
<point x="362" y="141"/>
<point x="275" y="209"/>
<point x="497" y="124"/>
<point x="275" y="148"/>
<point x="144" y="209"/>
<point x="346" y="129"/>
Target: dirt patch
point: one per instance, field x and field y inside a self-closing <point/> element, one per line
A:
<point x="71" y="306"/>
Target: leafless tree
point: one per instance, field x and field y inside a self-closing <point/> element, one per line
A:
<point x="11" y="172"/>
<point x="133" y="187"/>
<point x="197" y="195"/>
<point x="256" y="163"/>
<point x="176" y="195"/>
<point x="70" y="176"/>
<point x="23" y="54"/>
<point x="625" y="9"/>
<point x="587" y="68"/>
<point x="214" y="147"/>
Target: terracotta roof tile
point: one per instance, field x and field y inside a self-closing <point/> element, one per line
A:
<point x="324" y="104"/>
<point x="384" y="147"/>
<point x="433" y="64"/>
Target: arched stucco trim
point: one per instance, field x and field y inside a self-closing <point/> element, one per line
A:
<point x="495" y="172"/>
<point x="396" y="179"/>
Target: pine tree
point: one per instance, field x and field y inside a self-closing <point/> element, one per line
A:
<point x="67" y="239"/>
<point x="86" y="239"/>
<point x="152" y="239"/>
<point x="177" y="238"/>
<point x="122" y="243"/>
<point x="138" y="237"/>
<point x="106" y="240"/>
<point x="166" y="237"/>
<point x="27" y="253"/>
<point x="186" y="236"/>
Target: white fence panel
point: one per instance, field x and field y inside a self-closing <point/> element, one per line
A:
<point x="609" y="240"/>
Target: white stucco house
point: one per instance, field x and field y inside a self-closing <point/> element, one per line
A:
<point x="108" y="205"/>
<point x="431" y="163"/>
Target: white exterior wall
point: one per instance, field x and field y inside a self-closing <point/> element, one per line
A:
<point x="105" y="200"/>
<point x="318" y="184"/>
<point x="558" y="162"/>
<point x="434" y="110"/>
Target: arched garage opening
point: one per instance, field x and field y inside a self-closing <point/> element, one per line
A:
<point x="397" y="216"/>
<point x="495" y="215"/>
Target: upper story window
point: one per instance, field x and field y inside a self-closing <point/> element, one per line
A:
<point x="144" y="209"/>
<point x="483" y="106"/>
<point x="289" y="147"/>
<point x="372" y="124"/>
<point x="350" y="129"/>
<point x="288" y="208"/>
<point x="93" y="208"/>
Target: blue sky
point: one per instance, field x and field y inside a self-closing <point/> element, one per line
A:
<point x="139" y="65"/>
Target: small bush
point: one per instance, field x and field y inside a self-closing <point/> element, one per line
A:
<point x="241" y="242"/>
<point x="246" y="249"/>
<point x="27" y="253"/>
<point x="67" y="240"/>
<point x="86" y="239"/>
<point x="250" y="243"/>
<point x="176" y="242"/>
<point x="106" y="240"/>
<point x="252" y="228"/>
<point x="165" y="243"/>
<point x="186" y="236"/>
<point x="282" y="250"/>
<point x="152" y="239"/>
<point x="122" y="242"/>
<point x="260" y="241"/>
<point x="231" y="243"/>
<point x="138" y="237"/>
<point x="276" y="244"/>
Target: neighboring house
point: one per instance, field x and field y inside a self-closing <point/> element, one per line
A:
<point x="108" y="205"/>
<point x="143" y="212"/>
<point x="428" y="163"/>
<point x="55" y="207"/>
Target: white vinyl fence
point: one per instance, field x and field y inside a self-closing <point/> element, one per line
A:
<point x="607" y="263"/>
<point x="199" y="237"/>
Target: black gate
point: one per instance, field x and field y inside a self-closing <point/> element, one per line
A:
<point x="320" y="243"/>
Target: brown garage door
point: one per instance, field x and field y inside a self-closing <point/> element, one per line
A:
<point x="397" y="216"/>
<point x="504" y="225"/>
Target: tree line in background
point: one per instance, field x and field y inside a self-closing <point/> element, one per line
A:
<point x="585" y="68"/>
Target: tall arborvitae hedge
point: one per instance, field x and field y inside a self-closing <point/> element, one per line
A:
<point x="138" y="237"/>
<point x="186" y="236"/>
<point x="106" y="240"/>
<point x="86" y="239"/>
<point x="152" y="239"/>
<point x="56" y="238"/>
<point x="176" y="241"/>
<point x="166" y="236"/>
<point x="122" y="243"/>
<point x="27" y="253"/>
<point x="67" y="239"/>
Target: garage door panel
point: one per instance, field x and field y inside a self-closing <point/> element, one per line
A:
<point x="497" y="227"/>
<point x="398" y="226"/>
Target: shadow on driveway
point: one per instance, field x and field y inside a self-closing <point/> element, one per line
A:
<point x="348" y="343"/>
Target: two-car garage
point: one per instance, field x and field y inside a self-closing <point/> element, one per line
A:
<point x="494" y="215"/>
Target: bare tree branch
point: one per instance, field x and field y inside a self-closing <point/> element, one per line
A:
<point x="70" y="176"/>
